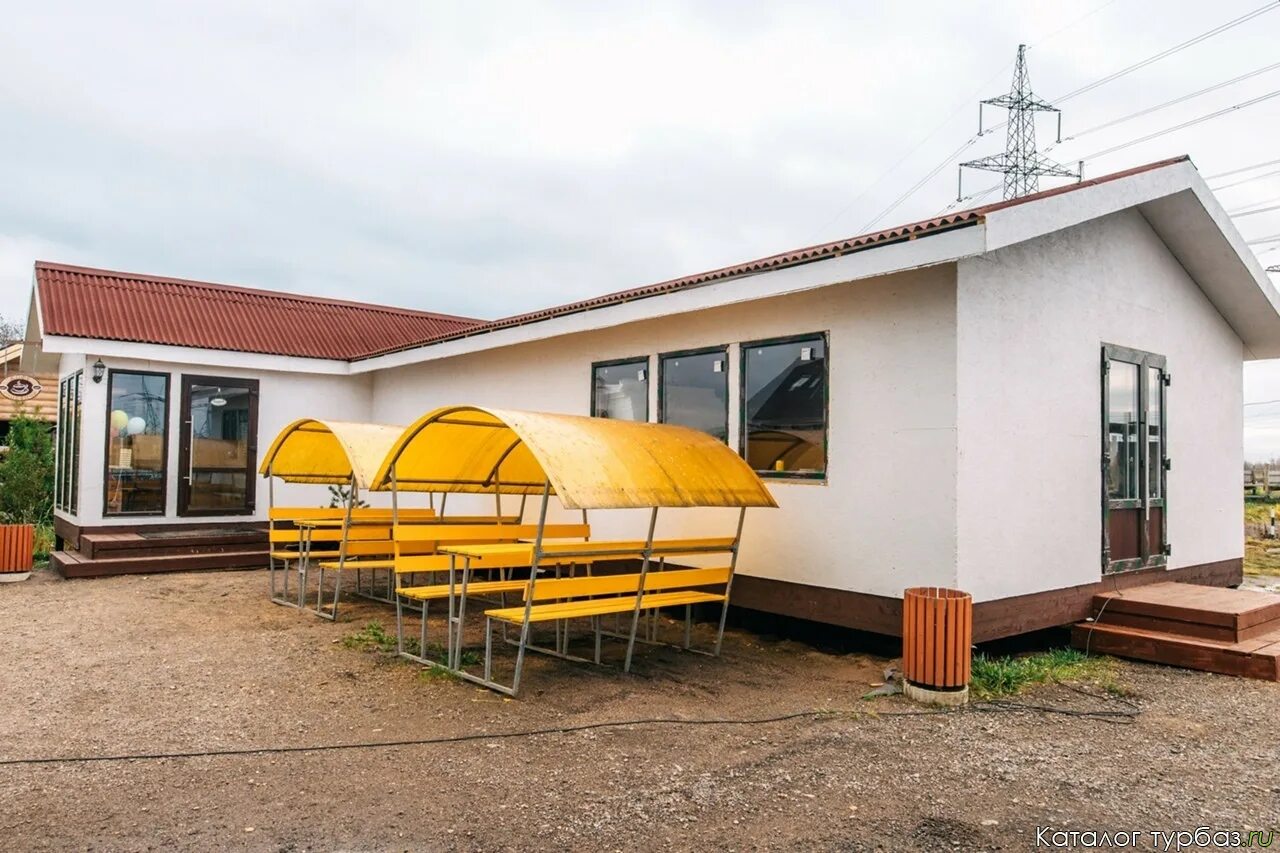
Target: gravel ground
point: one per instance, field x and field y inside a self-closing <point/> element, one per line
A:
<point x="204" y="661"/>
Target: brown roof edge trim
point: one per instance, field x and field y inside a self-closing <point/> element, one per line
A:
<point x="752" y="268"/>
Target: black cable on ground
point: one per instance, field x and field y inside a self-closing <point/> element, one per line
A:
<point x="993" y="706"/>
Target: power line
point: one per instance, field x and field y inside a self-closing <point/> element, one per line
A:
<point x="1245" y="181"/>
<point x="1066" y="27"/>
<point x="1248" y="207"/>
<point x="1241" y="169"/>
<point x="1269" y="7"/>
<point x="913" y="150"/>
<point x="918" y="184"/>
<point x="1252" y="212"/>
<point x="896" y="203"/>
<point x="1185" y="124"/>
<point x="1171" y="103"/>
<point x="1274" y="238"/>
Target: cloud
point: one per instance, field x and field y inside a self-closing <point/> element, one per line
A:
<point x="490" y="160"/>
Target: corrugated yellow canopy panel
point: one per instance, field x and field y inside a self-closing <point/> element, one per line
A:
<point x="313" y="451"/>
<point x="591" y="463"/>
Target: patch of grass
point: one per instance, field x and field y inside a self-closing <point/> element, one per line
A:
<point x="1258" y="511"/>
<point x="43" y="540"/>
<point x="371" y="638"/>
<point x="375" y="638"/>
<point x="1262" y="556"/>
<point x="1006" y="676"/>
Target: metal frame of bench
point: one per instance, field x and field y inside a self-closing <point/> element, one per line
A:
<point x="543" y="552"/>
<point x="455" y="591"/>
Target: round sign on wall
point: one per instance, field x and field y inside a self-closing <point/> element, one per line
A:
<point x="19" y="387"/>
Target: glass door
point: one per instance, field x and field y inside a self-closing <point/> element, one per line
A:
<point x="218" y="453"/>
<point x="1135" y="460"/>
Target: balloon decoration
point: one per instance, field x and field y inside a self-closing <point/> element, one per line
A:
<point x="135" y="426"/>
<point x="119" y="420"/>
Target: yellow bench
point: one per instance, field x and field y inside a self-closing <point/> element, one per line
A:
<point x="429" y="549"/>
<point x="559" y="599"/>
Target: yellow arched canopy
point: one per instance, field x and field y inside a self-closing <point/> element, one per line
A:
<point x="591" y="463"/>
<point x="312" y="451"/>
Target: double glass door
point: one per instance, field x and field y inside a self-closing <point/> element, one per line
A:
<point x="1135" y="459"/>
<point x="218" y="451"/>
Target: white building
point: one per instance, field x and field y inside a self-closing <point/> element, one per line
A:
<point x="1015" y="400"/>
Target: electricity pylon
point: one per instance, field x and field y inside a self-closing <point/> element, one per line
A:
<point x="1021" y="164"/>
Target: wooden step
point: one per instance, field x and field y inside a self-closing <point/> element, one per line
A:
<point x="164" y="543"/>
<point x="1204" y="612"/>
<point x="72" y="564"/>
<point x="1258" y="657"/>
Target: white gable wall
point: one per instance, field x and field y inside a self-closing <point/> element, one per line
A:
<point x="1031" y="321"/>
<point x="885" y="518"/>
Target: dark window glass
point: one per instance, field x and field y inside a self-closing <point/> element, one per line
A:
<point x="1155" y="438"/>
<point x="695" y="391"/>
<point x="621" y="391"/>
<point x="77" y="382"/>
<point x="66" y="479"/>
<point x="785" y="403"/>
<point x="217" y="450"/>
<point x="137" y="445"/>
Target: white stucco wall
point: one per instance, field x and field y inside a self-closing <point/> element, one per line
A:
<point x="283" y="397"/>
<point x="885" y="516"/>
<point x="1031" y="321"/>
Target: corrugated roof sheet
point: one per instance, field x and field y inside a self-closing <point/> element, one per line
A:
<point x="794" y="257"/>
<point x="91" y="303"/>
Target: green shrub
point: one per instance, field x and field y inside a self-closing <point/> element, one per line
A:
<point x="26" y="474"/>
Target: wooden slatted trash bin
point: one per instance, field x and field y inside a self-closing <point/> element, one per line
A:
<point x="937" y="636"/>
<point x="17" y="551"/>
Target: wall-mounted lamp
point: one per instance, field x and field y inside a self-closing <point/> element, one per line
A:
<point x="99" y="370"/>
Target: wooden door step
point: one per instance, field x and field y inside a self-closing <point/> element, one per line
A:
<point x="1191" y="610"/>
<point x="1257" y="657"/>
<point x="72" y="564"/>
<point x="165" y="543"/>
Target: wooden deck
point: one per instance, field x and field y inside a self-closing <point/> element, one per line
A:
<point x="100" y="553"/>
<point x="1230" y="631"/>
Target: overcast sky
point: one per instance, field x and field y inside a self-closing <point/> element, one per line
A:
<point x="486" y="159"/>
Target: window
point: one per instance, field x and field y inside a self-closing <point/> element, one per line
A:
<point x="66" y="486"/>
<point x="137" y="443"/>
<point x="620" y="389"/>
<point x="694" y="391"/>
<point x="784" y="402"/>
<point x="217" y="449"/>
<point x="1135" y="459"/>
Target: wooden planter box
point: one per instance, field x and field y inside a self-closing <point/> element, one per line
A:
<point x="17" y="551"/>
<point x="937" y="633"/>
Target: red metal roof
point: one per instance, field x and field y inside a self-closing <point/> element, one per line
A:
<point x="795" y="257"/>
<point x="82" y="302"/>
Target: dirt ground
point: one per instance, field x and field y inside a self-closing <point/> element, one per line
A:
<point x="203" y="661"/>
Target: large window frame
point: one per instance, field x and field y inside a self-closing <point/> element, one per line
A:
<point x="722" y="350"/>
<point x="618" y="362"/>
<point x="164" y="446"/>
<point x="67" y="466"/>
<point x="185" y="448"/>
<point x="1148" y="557"/>
<point x="744" y="350"/>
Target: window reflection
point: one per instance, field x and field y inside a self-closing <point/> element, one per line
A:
<point x="621" y="391"/>
<point x="695" y="391"/>
<point x="136" y="445"/>
<point x="785" y="402"/>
